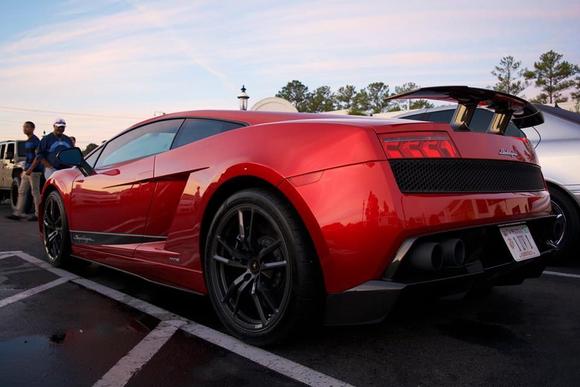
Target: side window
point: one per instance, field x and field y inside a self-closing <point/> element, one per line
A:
<point x="440" y="116"/>
<point x="195" y="129"/>
<point x="514" y="131"/>
<point x="2" y="147"/>
<point x="416" y="117"/>
<point x="143" y="141"/>
<point x="9" y="151"/>
<point x="92" y="158"/>
<point x="481" y="120"/>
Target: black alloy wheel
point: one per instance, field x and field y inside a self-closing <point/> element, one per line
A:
<point x="567" y="227"/>
<point x="560" y="223"/>
<point x="261" y="277"/>
<point x="56" y="234"/>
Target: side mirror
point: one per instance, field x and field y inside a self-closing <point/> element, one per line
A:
<point x="74" y="158"/>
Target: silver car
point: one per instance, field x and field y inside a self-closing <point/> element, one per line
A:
<point x="557" y="144"/>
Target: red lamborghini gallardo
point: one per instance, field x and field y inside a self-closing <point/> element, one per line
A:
<point x="282" y="218"/>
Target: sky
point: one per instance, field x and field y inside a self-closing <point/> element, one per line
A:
<point x="105" y="65"/>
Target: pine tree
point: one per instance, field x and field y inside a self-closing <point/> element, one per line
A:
<point x="509" y="74"/>
<point x="553" y="75"/>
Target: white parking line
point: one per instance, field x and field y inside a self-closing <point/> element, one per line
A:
<point x="126" y="299"/>
<point x="266" y="359"/>
<point x="560" y="274"/>
<point x="45" y="265"/>
<point x="131" y="363"/>
<point x="31" y="292"/>
<point x="8" y="254"/>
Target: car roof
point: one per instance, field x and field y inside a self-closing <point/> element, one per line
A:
<point x="559" y="112"/>
<point x="251" y="117"/>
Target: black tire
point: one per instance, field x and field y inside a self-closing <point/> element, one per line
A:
<point x="259" y="298"/>
<point x="569" y="218"/>
<point x="56" y="237"/>
<point x="14" y="193"/>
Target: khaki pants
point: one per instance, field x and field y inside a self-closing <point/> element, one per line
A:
<point x="27" y="182"/>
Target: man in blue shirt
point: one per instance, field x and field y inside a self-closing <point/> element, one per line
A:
<point x="50" y="145"/>
<point x="30" y="178"/>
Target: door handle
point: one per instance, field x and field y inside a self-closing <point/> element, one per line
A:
<point x="112" y="172"/>
<point x="80" y="181"/>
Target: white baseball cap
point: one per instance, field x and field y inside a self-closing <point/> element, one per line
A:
<point x="59" y="122"/>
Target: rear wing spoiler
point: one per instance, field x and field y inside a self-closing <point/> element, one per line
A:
<point x="505" y="106"/>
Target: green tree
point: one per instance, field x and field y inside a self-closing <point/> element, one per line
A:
<point x="320" y="100"/>
<point x="553" y="75"/>
<point x="345" y="96"/>
<point x="412" y="104"/>
<point x="89" y="148"/>
<point x="509" y="73"/>
<point x="377" y="93"/>
<point x="360" y="104"/>
<point x="297" y="93"/>
<point x="576" y="94"/>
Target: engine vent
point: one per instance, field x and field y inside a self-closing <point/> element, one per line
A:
<point x="465" y="175"/>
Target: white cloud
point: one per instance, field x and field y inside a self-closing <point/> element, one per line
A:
<point x="130" y="57"/>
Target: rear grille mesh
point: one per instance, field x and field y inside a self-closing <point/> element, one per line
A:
<point x="465" y="175"/>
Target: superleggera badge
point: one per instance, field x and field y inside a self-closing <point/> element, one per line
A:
<point x="505" y="152"/>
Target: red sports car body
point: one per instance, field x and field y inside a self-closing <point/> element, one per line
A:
<point x="350" y="212"/>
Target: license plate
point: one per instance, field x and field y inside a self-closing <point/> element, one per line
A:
<point x="520" y="242"/>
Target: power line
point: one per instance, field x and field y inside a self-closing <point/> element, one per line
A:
<point x="29" y="110"/>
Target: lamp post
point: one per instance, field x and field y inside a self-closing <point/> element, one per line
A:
<point x="243" y="97"/>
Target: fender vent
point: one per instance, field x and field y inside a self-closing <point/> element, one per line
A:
<point x="465" y="175"/>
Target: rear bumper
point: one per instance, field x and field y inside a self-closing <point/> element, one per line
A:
<point x="488" y="262"/>
<point x="371" y="302"/>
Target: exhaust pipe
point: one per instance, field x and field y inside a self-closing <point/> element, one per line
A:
<point x="427" y="256"/>
<point x="453" y="252"/>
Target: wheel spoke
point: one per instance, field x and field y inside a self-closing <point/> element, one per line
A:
<point x="229" y="262"/>
<point x="237" y="282"/>
<point x="52" y="236"/>
<point x="230" y="251"/>
<point x="268" y="298"/>
<point x="52" y="211"/>
<point x="238" y="296"/>
<point x="47" y="210"/>
<point x="242" y="231"/>
<point x="250" y="228"/>
<point x="269" y="249"/>
<point x="257" y="304"/>
<point x="273" y="265"/>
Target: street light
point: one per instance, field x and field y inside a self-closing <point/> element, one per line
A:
<point x="243" y="97"/>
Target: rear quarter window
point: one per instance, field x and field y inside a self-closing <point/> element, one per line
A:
<point x="195" y="129"/>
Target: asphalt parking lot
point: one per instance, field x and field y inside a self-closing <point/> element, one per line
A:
<point x="91" y="325"/>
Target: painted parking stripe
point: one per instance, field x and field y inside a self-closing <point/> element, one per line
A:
<point x="131" y="363"/>
<point x="8" y="254"/>
<point x="45" y="265"/>
<point x="266" y="359"/>
<point x="140" y="305"/>
<point x="31" y="292"/>
<point x="560" y="274"/>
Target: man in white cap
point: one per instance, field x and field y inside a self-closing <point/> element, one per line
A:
<point x="50" y="145"/>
